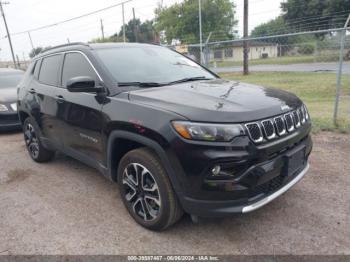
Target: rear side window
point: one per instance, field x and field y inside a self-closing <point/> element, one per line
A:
<point x="50" y="67"/>
<point x="75" y="64"/>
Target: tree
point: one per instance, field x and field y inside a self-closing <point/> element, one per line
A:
<point x="180" y="21"/>
<point x="135" y="31"/>
<point x="277" y="26"/>
<point x="273" y="27"/>
<point x="112" y="38"/>
<point x="315" y="14"/>
<point x="37" y="50"/>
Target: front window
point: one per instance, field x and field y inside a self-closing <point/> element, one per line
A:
<point x="10" y="80"/>
<point x="149" y="64"/>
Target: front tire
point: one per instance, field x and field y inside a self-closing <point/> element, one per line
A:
<point x="34" y="146"/>
<point x="146" y="190"/>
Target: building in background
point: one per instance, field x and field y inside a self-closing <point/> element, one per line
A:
<point x="234" y="51"/>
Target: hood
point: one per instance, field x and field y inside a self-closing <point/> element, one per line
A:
<point x="218" y="101"/>
<point x="8" y="95"/>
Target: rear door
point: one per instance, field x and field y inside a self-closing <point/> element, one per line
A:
<point x="80" y="113"/>
<point x="43" y="88"/>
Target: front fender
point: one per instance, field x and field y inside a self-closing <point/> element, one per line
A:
<point x="147" y="142"/>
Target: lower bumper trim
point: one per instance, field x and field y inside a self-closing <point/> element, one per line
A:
<point x="273" y="196"/>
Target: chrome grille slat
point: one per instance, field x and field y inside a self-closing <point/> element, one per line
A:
<point x="306" y="113"/>
<point x="302" y="115"/>
<point x="280" y="126"/>
<point x="255" y="132"/>
<point x="296" y="118"/>
<point x="289" y="122"/>
<point x="268" y="129"/>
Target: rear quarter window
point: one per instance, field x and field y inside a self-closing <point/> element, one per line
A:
<point x="49" y="70"/>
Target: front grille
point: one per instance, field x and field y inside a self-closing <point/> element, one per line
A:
<point x="296" y="118"/>
<point x="255" y="132"/>
<point x="9" y="117"/>
<point x="269" y="129"/>
<point x="280" y="126"/>
<point x="268" y="187"/>
<point x="289" y="122"/>
<point x="302" y="115"/>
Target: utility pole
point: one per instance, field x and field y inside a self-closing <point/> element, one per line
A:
<point x="207" y="51"/>
<point x="135" y="26"/>
<point x="18" y="63"/>
<point x="123" y="22"/>
<point x="30" y="39"/>
<point x="200" y="31"/>
<point x="245" y="42"/>
<point x="102" y="31"/>
<point x="7" y="30"/>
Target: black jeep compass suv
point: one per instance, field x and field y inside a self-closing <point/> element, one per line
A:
<point x="175" y="136"/>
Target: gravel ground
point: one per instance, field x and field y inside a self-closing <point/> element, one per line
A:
<point x="65" y="207"/>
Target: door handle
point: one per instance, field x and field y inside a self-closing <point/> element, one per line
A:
<point x="32" y="91"/>
<point x="60" y="99"/>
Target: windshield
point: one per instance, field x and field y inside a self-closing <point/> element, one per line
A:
<point x="149" y="64"/>
<point x="11" y="80"/>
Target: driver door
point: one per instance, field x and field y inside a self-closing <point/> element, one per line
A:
<point x="80" y="113"/>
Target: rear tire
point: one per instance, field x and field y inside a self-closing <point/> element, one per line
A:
<point x="146" y="190"/>
<point x="34" y="146"/>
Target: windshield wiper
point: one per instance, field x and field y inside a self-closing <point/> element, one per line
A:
<point x="189" y="79"/>
<point x="140" y="84"/>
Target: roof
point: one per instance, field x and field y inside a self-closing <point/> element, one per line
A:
<point x="81" y="45"/>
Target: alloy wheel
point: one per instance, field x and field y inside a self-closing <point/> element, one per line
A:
<point x="141" y="191"/>
<point x="31" y="140"/>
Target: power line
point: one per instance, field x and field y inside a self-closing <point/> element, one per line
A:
<point x="73" y="18"/>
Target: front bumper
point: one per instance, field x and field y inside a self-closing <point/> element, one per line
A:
<point x="262" y="174"/>
<point x="9" y="121"/>
<point x="226" y="208"/>
<point x="279" y="192"/>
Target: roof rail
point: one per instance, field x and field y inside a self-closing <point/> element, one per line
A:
<point x="64" y="45"/>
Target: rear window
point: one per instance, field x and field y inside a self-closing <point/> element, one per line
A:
<point x="49" y="70"/>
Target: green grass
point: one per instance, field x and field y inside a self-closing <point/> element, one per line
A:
<point x="284" y="60"/>
<point x="317" y="90"/>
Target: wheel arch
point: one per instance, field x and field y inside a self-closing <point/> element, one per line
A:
<point x="23" y="116"/>
<point x="131" y="141"/>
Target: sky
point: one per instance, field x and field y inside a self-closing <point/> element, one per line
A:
<point x="24" y="15"/>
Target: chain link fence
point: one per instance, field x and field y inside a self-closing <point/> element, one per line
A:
<point x="305" y="63"/>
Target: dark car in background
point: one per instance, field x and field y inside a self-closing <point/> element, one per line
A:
<point x="9" y="79"/>
<point x="173" y="135"/>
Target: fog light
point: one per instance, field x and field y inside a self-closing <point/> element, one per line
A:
<point x="216" y="170"/>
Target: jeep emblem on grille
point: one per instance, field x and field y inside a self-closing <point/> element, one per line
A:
<point x="285" y="107"/>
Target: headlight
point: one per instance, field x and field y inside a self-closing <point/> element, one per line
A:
<point x="3" y="108"/>
<point x="14" y="106"/>
<point x="207" y="132"/>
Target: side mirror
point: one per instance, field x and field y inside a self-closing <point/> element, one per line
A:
<point x="83" y="84"/>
